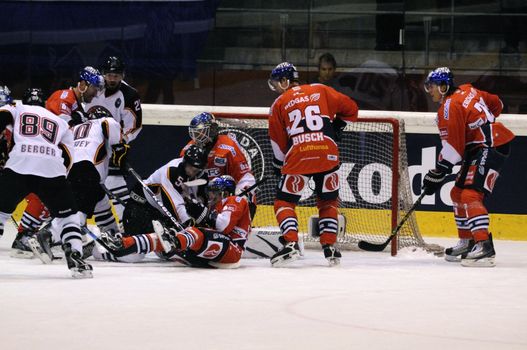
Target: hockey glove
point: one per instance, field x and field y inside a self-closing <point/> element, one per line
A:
<point x="78" y="117"/>
<point x="197" y="211"/>
<point x="338" y="127"/>
<point x="432" y="181"/>
<point x="119" y="154"/>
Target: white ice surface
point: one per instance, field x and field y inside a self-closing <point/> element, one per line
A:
<point x="372" y="301"/>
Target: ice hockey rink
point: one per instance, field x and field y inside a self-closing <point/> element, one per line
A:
<point x="372" y="301"/>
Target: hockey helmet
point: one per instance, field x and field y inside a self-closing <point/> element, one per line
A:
<point x="5" y="96"/>
<point x="98" y="112"/>
<point x="92" y="76"/>
<point x="283" y="70"/>
<point x="113" y="65"/>
<point x="442" y="77"/>
<point x="33" y="97"/>
<point x="224" y="185"/>
<point x="203" y="129"/>
<point x="195" y="156"/>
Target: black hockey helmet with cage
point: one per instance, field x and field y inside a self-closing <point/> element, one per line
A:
<point x="34" y="97"/>
<point x="225" y="185"/>
<point x="203" y="129"/>
<point x="195" y="156"/>
<point x="113" y="65"/>
<point x="98" y="112"/>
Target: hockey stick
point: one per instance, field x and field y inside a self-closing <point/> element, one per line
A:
<point x="373" y="247"/>
<point x="252" y="187"/>
<point x="113" y="195"/>
<point x="197" y="182"/>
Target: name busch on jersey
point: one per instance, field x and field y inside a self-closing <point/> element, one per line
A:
<point x="124" y="106"/>
<point x="301" y="131"/>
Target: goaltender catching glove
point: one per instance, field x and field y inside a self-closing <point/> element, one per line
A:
<point x="119" y="154"/>
<point x="432" y="181"/>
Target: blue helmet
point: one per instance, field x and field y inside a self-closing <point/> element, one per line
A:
<point x="92" y="77"/>
<point x="5" y="96"/>
<point x="203" y="129"/>
<point x="283" y="70"/>
<point x="439" y="76"/>
<point x="225" y="185"/>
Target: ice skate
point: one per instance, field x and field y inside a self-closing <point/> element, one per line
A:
<point x="167" y="238"/>
<point x="289" y="253"/>
<point x="454" y="254"/>
<point x="40" y="244"/>
<point x="78" y="267"/>
<point x="111" y="242"/>
<point x="332" y="254"/>
<point x="481" y="255"/>
<point x="20" y="247"/>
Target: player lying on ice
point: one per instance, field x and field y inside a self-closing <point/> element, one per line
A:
<point x="218" y="242"/>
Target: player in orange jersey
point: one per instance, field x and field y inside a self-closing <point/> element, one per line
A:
<point x="470" y="135"/>
<point x="304" y="124"/>
<point x="219" y="245"/>
<point x="225" y="156"/>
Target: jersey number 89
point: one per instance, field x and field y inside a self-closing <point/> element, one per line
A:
<point x="33" y="125"/>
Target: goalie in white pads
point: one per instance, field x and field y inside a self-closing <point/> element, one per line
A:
<point x="38" y="164"/>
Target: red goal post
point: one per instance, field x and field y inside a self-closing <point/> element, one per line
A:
<point x="375" y="195"/>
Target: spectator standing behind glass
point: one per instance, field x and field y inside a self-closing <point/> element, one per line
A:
<point x="327" y="71"/>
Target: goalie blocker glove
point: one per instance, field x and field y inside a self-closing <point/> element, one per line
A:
<point x="119" y="155"/>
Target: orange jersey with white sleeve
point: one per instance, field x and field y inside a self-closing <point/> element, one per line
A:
<point x="93" y="142"/>
<point x="301" y="131"/>
<point x="234" y="218"/>
<point x="42" y="142"/>
<point x="468" y="118"/>
<point x="226" y="158"/>
<point x="63" y="103"/>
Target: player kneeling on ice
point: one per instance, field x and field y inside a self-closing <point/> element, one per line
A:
<point x="219" y="242"/>
<point x="38" y="164"/>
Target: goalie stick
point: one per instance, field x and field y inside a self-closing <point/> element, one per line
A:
<point x="373" y="247"/>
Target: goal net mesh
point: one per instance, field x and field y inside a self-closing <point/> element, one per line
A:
<point x="375" y="188"/>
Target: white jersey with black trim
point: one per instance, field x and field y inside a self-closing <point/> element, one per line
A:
<point x="171" y="178"/>
<point x="93" y="142"/>
<point x="124" y="105"/>
<point x="43" y="143"/>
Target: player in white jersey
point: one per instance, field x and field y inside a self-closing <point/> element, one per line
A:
<point x="96" y="142"/>
<point x="124" y="105"/>
<point x="168" y="183"/>
<point x="38" y="163"/>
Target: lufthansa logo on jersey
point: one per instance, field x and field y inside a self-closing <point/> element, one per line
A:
<point x="117" y="103"/>
<point x="250" y="149"/>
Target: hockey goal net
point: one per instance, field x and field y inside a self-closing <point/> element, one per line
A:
<point x="375" y="187"/>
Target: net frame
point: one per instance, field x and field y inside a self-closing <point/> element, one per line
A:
<point x="401" y="193"/>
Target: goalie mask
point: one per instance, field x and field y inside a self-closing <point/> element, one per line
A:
<point x="203" y="129"/>
<point x="285" y="71"/>
<point x="33" y="97"/>
<point x="221" y="187"/>
<point x="5" y="96"/>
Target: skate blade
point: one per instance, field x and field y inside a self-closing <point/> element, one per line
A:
<point x="483" y="262"/>
<point x="285" y="260"/>
<point x="78" y="274"/>
<point x="453" y="258"/>
<point x="39" y="252"/>
<point x="21" y="254"/>
<point x="333" y="261"/>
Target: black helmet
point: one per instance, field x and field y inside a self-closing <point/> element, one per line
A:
<point x="113" y="65"/>
<point x="98" y="112"/>
<point x="33" y="97"/>
<point x="195" y="156"/>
